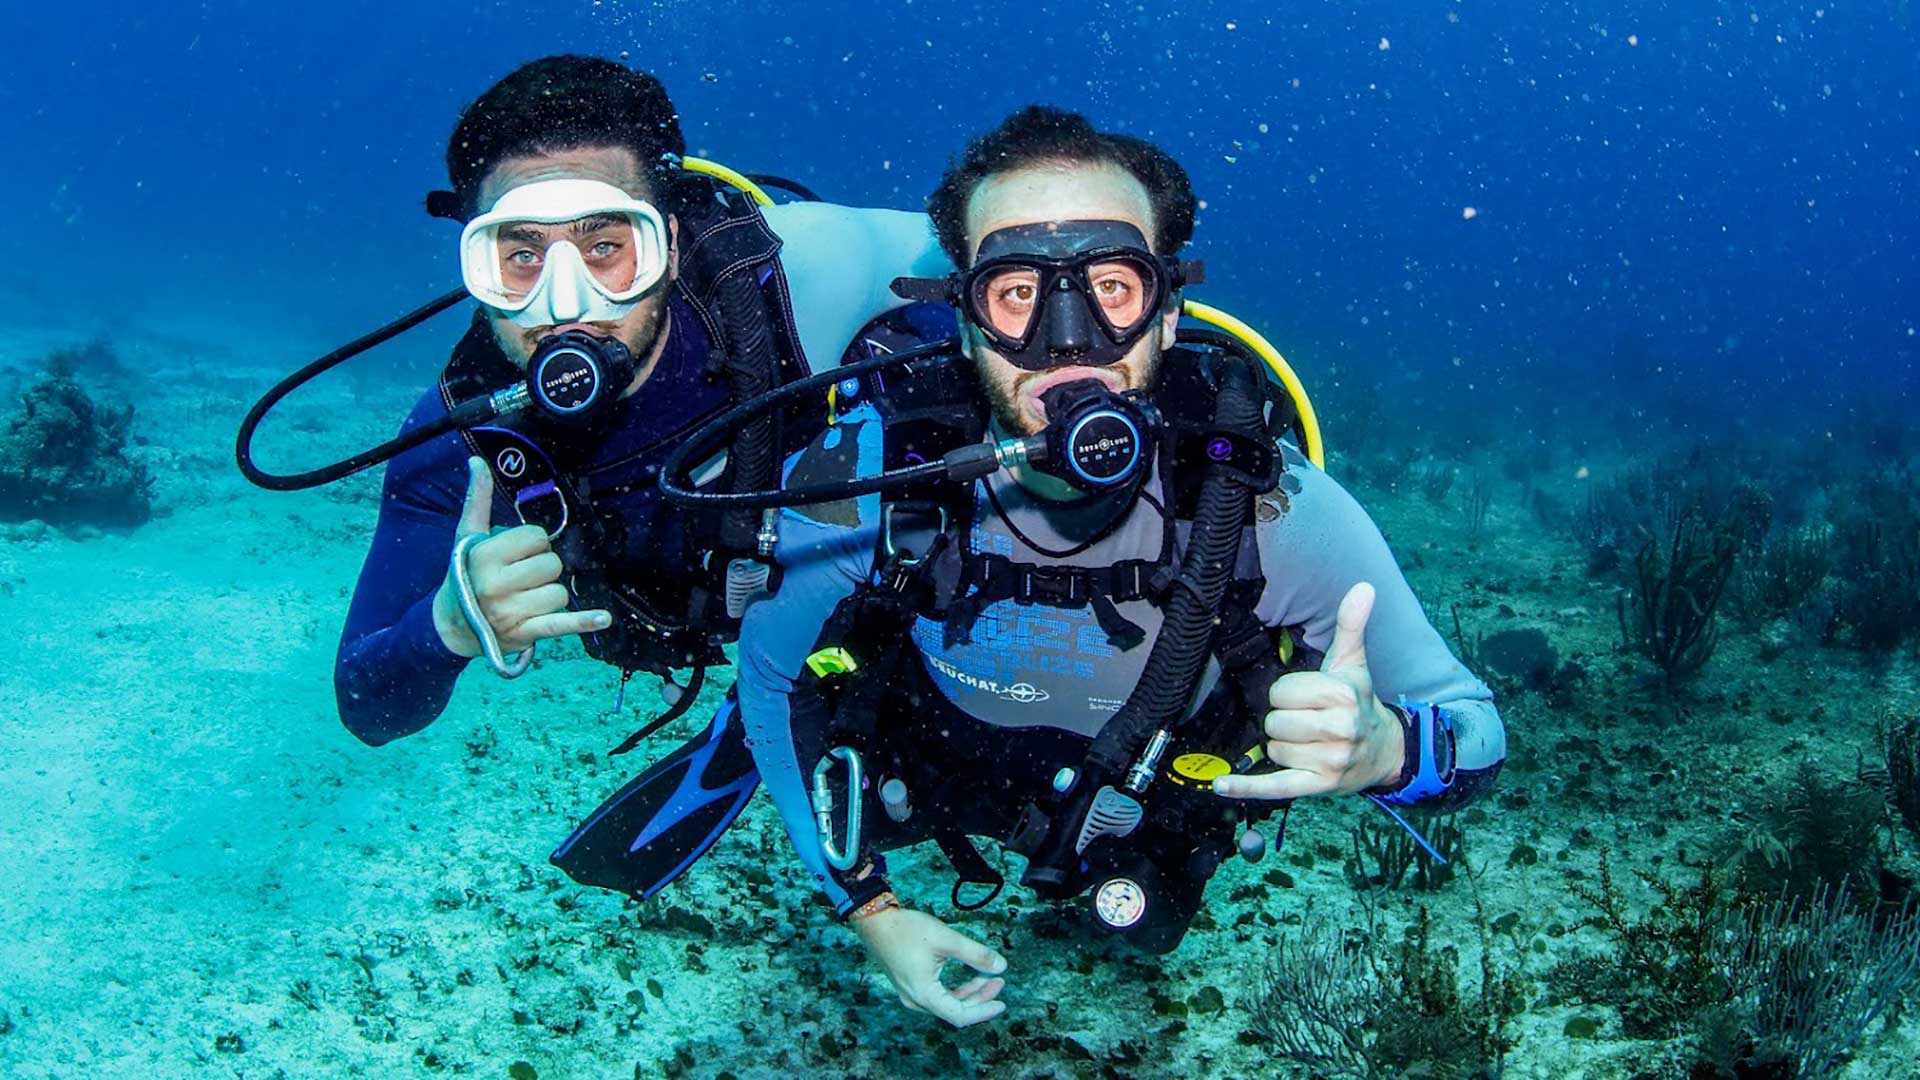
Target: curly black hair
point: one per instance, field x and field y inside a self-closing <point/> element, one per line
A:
<point x="1042" y="134"/>
<point x="564" y="103"/>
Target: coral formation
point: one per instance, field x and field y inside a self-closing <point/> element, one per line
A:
<point x="63" y="459"/>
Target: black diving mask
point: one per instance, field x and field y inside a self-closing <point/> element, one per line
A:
<point x="1059" y="293"/>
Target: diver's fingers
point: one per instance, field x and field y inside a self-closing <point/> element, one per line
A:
<point x="507" y="546"/>
<point x="558" y="624"/>
<point x="1285" y="784"/>
<point x="964" y="1013"/>
<point x="1310" y="690"/>
<point x="974" y="954"/>
<point x="476" y="514"/>
<point x="1331" y="758"/>
<point x="979" y="988"/>
<point x="518" y="607"/>
<point x="1310" y="725"/>
<point x="528" y="573"/>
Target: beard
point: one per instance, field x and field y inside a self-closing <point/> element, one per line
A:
<point x="640" y="330"/>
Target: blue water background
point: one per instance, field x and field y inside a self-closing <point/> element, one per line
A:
<point x="1724" y="194"/>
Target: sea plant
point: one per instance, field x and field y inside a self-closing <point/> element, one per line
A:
<point x="1360" y="1006"/>
<point x="1819" y="975"/>
<point x="1479" y="501"/>
<point x="1665" y="967"/>
<point x="1784" y="572"/>
<point x="1384" y="853"/>
<point x="1669" y="617"/>
<point x="1786" y="987"/>
<point x="1878" y="564"/>
<point x="1900" y="780"/>
<point x="1817" y="832"/>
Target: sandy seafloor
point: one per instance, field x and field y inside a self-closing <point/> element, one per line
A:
<point x="204" y="873"/>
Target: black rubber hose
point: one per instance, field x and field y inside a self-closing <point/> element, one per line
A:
<point x="1179" y="655"/>
<point x="769" y="180"/>
<point x="1186" y="638"/>
<point x="750" y="371"/>
<point x="677" y="486"/>
<point x="243" y="443"/>
<point x="1233" y="346"/>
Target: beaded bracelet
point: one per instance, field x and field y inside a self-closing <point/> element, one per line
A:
<point x="875" y="906"/>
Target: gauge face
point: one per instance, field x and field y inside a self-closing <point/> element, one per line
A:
<point x="1120" y="903"/>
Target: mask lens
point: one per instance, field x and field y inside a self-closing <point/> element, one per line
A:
<point x="1008" y="299"/>
<point x="606" y="243"/>
<point x="1120" y="289"/>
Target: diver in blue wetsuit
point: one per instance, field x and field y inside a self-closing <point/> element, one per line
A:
<point x="1138" y="626"/>
<point x="624" y="298"/>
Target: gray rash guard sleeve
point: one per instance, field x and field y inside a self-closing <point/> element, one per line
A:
<point x="840" y="262"/>
<point x="1321" y="547"/>
<point x="825" y="552"/>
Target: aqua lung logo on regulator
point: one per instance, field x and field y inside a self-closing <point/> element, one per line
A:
<point x="1104" y="447"/>
<point x="568" y="380"/>
<point x="511" y="463"/>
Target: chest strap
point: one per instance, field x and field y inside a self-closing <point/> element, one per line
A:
<point x="990" y="579"/>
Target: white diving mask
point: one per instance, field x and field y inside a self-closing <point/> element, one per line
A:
<point x="563" y="251"/>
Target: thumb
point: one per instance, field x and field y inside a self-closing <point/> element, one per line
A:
<point x="1349" y="648"/>
<point x="476" y="514"/>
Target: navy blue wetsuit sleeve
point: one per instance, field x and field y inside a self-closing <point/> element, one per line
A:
<point x="825" y="552"/>
<point x="393" y="674"/>
<point x="1322" y="546"/>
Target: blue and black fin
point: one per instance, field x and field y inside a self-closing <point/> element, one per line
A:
<point x="661" y="822"/>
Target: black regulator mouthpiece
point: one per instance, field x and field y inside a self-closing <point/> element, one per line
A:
<point x="576" y="378"/>
<point x="1096" y="440"/>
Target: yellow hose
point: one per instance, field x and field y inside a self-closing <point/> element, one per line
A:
<point x="1309" y="423"/>
<point x="728" y="176"/>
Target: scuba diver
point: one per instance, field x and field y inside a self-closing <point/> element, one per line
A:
<point x="624" y="298"/>
<point x="1064" y="585"/>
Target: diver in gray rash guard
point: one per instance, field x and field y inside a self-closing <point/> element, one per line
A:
<point x="1075" y="653"/>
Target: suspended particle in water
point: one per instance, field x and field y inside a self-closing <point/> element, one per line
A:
<point x="1468" y="213"/>
<point x="1263" y="129"/>
<point x="1633" y="40"/>
<point x="1385" y="44"/>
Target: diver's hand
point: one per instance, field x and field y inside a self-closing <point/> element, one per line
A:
<point x="516" y="578"/>
<point x="912" y="947"/>
<point x="1328" y="732"/>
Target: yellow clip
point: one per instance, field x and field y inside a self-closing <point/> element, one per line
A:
<point x="1286" y="648"/>
<point x="832" y="661"/>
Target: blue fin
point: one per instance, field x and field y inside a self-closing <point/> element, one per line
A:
<point x="650" y="831"/>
